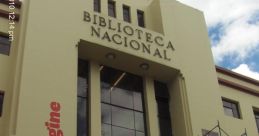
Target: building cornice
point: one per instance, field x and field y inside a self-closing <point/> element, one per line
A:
<point x="238" y="87"/>
<point x="237" y="76"/>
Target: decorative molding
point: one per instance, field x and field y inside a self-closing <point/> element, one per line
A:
<point x="238" y="87"/>
<point x="236" y="75"/>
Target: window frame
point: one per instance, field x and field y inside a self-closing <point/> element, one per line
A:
<point x="97" y="6"/>
<point x="113" y="4"/>
<point x="163" y="108"/>
<point x="3" y="43"/>
<point x="143" y="23"/>
<point x="133" y="109"/>
<point x="1" y="103"/>
<point x="86" y="97"/>
<point x="256" y="116"/>
<point x="126" y="8"/>
<point x="233" y="105"/>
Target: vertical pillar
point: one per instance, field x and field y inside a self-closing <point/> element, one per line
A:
<point x="150" y="107"/>
<point x="94" y="99"/>
<point x="179" y="107"/>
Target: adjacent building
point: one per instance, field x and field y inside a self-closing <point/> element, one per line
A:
<point x="116" y="68"/>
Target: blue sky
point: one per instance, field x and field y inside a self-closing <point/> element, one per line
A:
<point x="233" y="28"/>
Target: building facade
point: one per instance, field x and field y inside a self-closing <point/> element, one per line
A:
<point x="116" y="68"/>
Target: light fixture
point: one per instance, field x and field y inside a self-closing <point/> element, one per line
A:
<point x="144" y="66"/>
<point x="110" y="56"/>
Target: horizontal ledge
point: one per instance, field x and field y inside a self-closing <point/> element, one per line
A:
<point x="238" y="87"/>
<point x="236" y="75"/>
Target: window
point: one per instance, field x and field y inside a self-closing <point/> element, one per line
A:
<point x="231" y="108"/>
<point x="205" y="133"/>
<point x="4" y="45"/>
<point x="97" y="5"/>
<point x="126" y="14"/>
<point x="256" y="113"/>
<point x="121" y="103"/>
<point x="1" y="102"/>
<point x="141" y="21"/>
<point x="111" y="8"/>
<point x="162" y="99"/>
<point x="82" y="100"/>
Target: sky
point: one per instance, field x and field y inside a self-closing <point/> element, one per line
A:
<point x="233" y="28"/>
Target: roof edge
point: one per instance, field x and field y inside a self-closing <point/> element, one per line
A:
<point x="236" y="75"/>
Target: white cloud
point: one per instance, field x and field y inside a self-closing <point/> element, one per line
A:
<point x="239" y="37"/>
<point x="224" y="11"/>
<point x="245" y="70"/>
<point x="240" y="40"/>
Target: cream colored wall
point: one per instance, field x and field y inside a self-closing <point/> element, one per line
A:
<point x="187" y="28"/>
<point x="7" y="64"/>
<point x="246" y="103"/>
<point x="235" y="126"/>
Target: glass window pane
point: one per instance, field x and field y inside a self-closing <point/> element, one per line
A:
<point x="106" y="113"/>
<point x="137" y="97"/>
<point x="1" y="103"/>
<point x="82" y="68"/>
<point x="140" y="15"/>
<point x="122" y="117"/>
<point x="139" y="121"/>
<point x="5" y="49"/>
<point x="81" y="86"/>
<point x="4" y="40"/>
<point x="161" y="90"/>
<point x="81" y="117"/>
<point x="140" y="133"/>
<point x="227" y="104"/>
<point x="163" y="109"/>
<point x="126" y="13"/>
<point x="228" y="112"/>
<point x="97" y="6"/>
<point x="117" y="131"/>
<point x="122" y="98"/>
<point x="165" y="127"/>
<point x="111" y="8"/>
<point x="106" y="130"/>
<point x="105" y="90"/>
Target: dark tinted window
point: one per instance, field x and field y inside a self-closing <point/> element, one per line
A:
<point x="141" y="21"/>
<point x="256" y="113"/>
<point x="122" y="105"/>
<point x="126" y="14"/>
<point x="106" y="113"/>
<point x="4" y="45"/>
<point x="139" y="121"/>
<point x="106" y="130"/>
<point x="231" y="108"/>
<point x="122" y="98"/>
<point x="122" y="117"/>
<point x="162" y="99"/>
<point x="97" y="5"/>
<point x="82" y="100"/>
<point x="118" y="131"/>
<point x="111" y="8"/>
<point x="1" y="102"/>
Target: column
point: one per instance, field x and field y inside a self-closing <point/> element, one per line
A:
<point x="94" y="99"/>
<point x="150" y="107"/>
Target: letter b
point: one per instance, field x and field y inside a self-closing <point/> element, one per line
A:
<point x="87" y="17"/>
